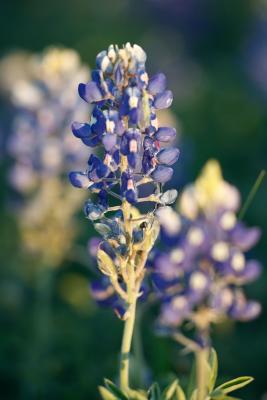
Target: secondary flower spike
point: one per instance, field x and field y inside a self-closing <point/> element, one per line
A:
<point x="43" y="107"/>
<point x="200" y="274"/>
<point x="137" y="158"/>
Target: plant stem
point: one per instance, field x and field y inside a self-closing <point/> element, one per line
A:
<point x="252" y="194"/>
<point x="126" y="346"/>
<point x="201" y="373"/>
<point x="141" y="372"/>
<point x="189" y="344"/>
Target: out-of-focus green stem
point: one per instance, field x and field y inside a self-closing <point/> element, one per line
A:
<point x="138" y="349"/>
<point x="201" y="373"/>
<point x="126" y="346"/>
<point x="252" y="194"/>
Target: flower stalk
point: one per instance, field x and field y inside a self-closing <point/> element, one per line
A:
<point x="201" y="356"/>
<point x="126" y="346"/>
<point x="136" y="163"/>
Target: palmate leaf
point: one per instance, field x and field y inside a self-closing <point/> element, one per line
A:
<point x="235" y="384"/>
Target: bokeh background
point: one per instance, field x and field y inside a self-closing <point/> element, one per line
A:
<point x="54" y="341"/>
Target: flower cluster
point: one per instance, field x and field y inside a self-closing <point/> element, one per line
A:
<point x="41" y="97"/>
<point x="200" y="272"/>
<point x="136" y="162"/>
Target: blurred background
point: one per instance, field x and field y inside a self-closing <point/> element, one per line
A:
<point x="54" y="341"/>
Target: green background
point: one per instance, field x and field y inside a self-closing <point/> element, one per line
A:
<point x="203" y="48"/>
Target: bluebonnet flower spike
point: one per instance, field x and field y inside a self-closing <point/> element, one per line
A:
<point x="200" y="273"/>
<point x="133" y="168"/>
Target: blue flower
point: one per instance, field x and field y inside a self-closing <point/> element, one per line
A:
<point x="134" y="161"/>
<point x="124" y="124"/>
<point x="43" y="108"/>
<point x="199" y="271"/>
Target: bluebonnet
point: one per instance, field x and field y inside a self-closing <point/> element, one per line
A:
<point x="42" y="110"/>
<point x="134" y="165"/>
<point x="200" y="270"/>
<point x="40" y="96"/>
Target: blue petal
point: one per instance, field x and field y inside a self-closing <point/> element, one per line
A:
<point x="109" y="141"/>
<point x="131" y="196"/>
<point x="93" y="211"/>
<point x="163" y="100"/>
<point x="157" y="84"/>
<point x="79" y="179"/>
<point x="90" y="92"/>
<point x="93" y="140"/>
<point x="80" y="130"/>
<point x="168" y="156"/>
<point x="162" y="174"/>
<point x="132" y="158"/>
<point x="165" y="134"/>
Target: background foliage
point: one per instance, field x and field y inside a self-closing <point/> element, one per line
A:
<point x="57" y="344"/>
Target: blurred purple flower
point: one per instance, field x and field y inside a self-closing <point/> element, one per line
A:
<point x="200" y="270"/>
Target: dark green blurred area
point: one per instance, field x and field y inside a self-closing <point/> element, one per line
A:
<point x="221" y="113"/>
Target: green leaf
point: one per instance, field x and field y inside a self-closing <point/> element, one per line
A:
<point x="213" y="362"/>
<point x="137" y="394"/>
<point x="169" y="391"/>
<point x="217" y="394"/>
<point x="115" y="390"/>
<point x="235" y="384"/>
<point x="194" y="395"/>
<point x="154" y="392"/>
<point x="105" y="394"/>
<point x="179" y="394"/>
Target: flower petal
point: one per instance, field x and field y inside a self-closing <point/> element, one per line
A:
<point x="90" y="92"/>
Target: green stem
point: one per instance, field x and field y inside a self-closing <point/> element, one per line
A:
<point x="126" y="346"/>
<point x="201" y="373"/>
<point x="252" y="194"/>
<point x="140" y="374"/>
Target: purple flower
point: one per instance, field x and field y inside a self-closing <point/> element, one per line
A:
<point x="131" y="166"/>
<point x="201" y="266"/>
<point x="42" y="110"/>
<point x="162" y="174"/>
<point x="157" y="84"/>
<point x="124" y="123"/>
